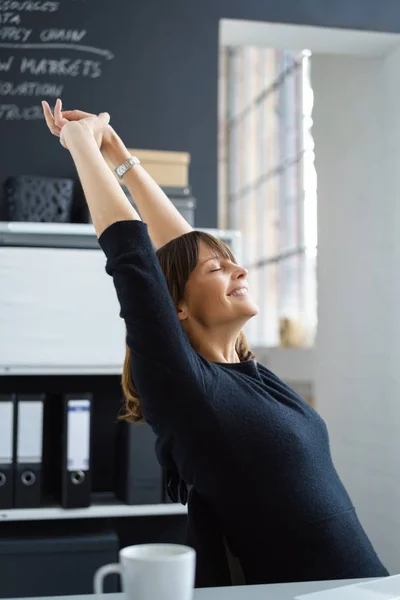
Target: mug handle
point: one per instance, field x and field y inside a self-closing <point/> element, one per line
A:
<point x="102" y="573"/>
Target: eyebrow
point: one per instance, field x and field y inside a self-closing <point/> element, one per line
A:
<point x="211" y="258"/>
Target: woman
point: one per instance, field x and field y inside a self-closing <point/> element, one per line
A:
<point x="266" y="503"/>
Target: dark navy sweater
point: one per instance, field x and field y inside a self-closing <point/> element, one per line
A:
<point x="256" y="454"/>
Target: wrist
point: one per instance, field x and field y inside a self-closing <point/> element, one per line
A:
<point x="74" y="131"/>
<point x="113" y="148"/>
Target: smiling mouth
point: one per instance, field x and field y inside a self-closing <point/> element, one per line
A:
<point x="239" y="292"/>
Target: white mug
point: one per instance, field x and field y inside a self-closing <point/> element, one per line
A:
<point x="153" y="572"/>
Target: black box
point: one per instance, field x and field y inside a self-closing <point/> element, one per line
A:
<point x="181" y="198"/>
<point x="44" y="559"/>
<point x="138" y="474"/>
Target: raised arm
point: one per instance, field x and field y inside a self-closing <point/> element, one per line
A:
<point x="106" y="200"/>
<point x="162" y="358"/>
<point x="164" y="221"/>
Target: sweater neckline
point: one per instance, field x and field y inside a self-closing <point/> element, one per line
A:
<point x="246" y="366"/>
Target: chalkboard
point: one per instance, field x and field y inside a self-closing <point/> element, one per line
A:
<point x="43" y="51"/>
<point x="152" y="64"/>
<point x="73" y="49"/>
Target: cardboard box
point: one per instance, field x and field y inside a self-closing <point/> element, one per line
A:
<point x="168" y="169"/>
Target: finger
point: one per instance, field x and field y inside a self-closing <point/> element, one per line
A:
<point x="76" y="115"/>
<point x="47" y="112"/>
<point x="105" y="117"/>
<point x="57" y="109"/>
<point x="58" y="116"/>
<point x="48" y="115"/>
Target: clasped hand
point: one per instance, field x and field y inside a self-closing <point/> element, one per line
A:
<point x="61" y="124"/>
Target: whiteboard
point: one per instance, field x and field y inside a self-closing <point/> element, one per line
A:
<point x="58" y="312"/>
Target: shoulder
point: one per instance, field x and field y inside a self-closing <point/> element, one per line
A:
<point x="266" y="373"/>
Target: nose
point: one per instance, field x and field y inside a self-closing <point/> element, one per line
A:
<point x="240" y="272"/>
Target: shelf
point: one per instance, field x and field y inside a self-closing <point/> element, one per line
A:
<point x="48" y="235"/>
<point x="11" y="370"/>
<point x="92" y="512"/>
<point x="79" y="235"/>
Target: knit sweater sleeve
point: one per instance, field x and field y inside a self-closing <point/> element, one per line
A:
<point x="163" y="361"/>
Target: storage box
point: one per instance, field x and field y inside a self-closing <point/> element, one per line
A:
<point x="181" y="198"/>
<point x="40" y="562"/>
<point x="167" y="168"/>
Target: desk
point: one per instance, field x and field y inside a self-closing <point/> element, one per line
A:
<point x="279" y="591"/>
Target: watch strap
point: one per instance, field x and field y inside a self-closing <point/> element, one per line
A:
<point x="125" y="166"/>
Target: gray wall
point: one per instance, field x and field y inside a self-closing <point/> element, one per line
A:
<point x="162" y="91"/>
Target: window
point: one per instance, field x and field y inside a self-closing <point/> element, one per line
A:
<point x="268" y="183"/>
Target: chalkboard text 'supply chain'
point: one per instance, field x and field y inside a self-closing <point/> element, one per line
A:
<point x="13" y="35"/>
<point x="79" y="48"/>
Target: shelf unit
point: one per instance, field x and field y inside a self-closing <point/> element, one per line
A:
<point x="99" y="511"/>
<point x="79" y="237"/>
<point x="71" y="251"/>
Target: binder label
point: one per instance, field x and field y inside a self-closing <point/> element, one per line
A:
<point x="30" y="431"/>
<point x="78" y="435"/>
<point x="6" y="432"/>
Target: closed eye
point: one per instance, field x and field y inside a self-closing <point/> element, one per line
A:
<point x="213" y="270"/>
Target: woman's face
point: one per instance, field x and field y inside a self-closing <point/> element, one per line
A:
<point x="217" y="292"/>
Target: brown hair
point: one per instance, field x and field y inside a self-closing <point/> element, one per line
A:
<point x="177" y="259"/>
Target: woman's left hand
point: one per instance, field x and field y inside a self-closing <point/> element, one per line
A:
<point x="59" y="125"/>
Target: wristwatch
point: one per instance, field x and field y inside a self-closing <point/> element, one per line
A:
<point x="128" y="164"/>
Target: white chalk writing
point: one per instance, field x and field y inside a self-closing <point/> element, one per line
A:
<point x="62" y="67"/>
<point x="12" y="112"/>
<point x="9" y="18"/>
<point x="28" y="6"/>
<point x="5" y="65"/>
<point x="77" y="47"/>
<point x="31" y="88"/>
<point x="33" y="65"/>
<point x="14" y="34"/>
<point x="62" y="35"/>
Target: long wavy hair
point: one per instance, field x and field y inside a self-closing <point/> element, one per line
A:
<point x="177" y="259"/>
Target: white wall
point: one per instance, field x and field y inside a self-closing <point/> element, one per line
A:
<point x="294" y="364"/>
<point x="391" y="406"/>
<point x="357" y="356"/>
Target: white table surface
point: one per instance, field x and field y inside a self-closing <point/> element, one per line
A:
<point x="279" y="591"/>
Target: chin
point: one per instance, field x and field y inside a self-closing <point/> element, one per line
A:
<point x="242" y="308"/>
<point x="249" y="310"/>
<point x="254" y="311"/>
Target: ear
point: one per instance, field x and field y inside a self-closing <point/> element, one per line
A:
<point x="182" y="312"/>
